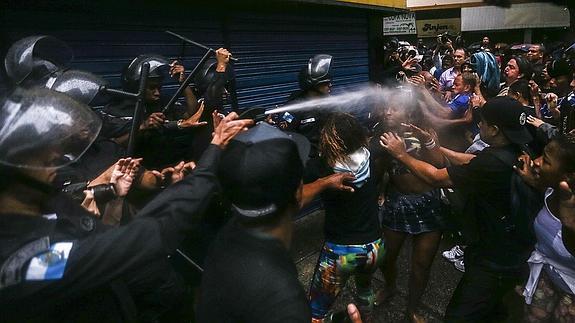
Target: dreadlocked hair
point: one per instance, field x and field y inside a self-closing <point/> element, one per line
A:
<point x="340" y="136"/>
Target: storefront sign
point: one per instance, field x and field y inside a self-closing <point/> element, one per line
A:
<point x="518" y="16"/>
<point x="379" y="3"/>
<point x="399" y="25"/>
<point x="434" y="27"/>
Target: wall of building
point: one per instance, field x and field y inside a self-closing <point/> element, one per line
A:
<point x="272" y="42"/>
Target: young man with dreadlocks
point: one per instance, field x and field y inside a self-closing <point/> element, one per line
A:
<point x="352" y="232"/>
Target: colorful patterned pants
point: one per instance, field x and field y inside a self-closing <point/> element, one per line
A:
<point x="550" y="303"/>
<point x="335" y="265"/>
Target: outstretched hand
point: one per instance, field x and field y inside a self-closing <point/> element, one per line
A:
<point x="177" y="71"/>
<point x="526" y="171"/>
<point x="408" y="63"/>
<point x="417" y="80"/>
<point x="174" y="174"/>
<point x="178" y="172"/>
<point x="194" y="120"/>
<point x="340" y="182"/>
<point x="228" y="127"/>
<point x="393" y="144"/>
<point x="123" y="175"/>
<point x="424" y="136"/>
<point x="536" y="122"/>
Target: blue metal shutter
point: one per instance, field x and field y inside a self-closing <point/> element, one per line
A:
<point x="105" y="49"/>
<point x="273" y="48"/>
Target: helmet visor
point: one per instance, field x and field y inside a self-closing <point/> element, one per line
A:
<point x="82" y="86"/>
<point x="319" y="67"/>
<point x="43" y="54"/>
<point x="42" y="129"/>
<point x="159" y="67"/>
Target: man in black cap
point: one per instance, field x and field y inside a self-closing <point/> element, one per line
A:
<point x="249" y="275"/>
<point x="495" y="259"/>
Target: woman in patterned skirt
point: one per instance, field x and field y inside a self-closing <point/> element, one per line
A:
<point x="411" y="207"/>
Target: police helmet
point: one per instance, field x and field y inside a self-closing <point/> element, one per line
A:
<point x="44" y="129"/>
<point x="206" y="75"/>
<point x="81" y="86"/>
<point x="33" y="58"/>
<point x="316" y="72"/>
<point x="159" y="66"/>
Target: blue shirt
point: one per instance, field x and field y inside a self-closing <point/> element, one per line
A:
<point x="459" y="104"/>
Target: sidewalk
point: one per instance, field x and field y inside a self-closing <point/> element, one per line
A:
<point x="307" y="241"/>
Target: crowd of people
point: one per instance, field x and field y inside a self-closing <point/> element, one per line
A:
<point x="116" y="206"/>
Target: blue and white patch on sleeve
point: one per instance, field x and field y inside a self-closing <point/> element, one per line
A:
<point x="50" y="264"/>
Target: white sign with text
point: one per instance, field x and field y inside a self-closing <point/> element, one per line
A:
<point x="399" y="25"/>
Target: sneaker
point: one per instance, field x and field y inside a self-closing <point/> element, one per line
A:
<point x="459" y="265"/>
<point x="453" y="254"/>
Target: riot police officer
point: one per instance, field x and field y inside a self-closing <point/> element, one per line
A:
<point x="164" y="136"/>
<point x="213" y="83"/>
<point x="58" y="263"/>
<point x="118" y="114"/>
<point x="314" y="82"/>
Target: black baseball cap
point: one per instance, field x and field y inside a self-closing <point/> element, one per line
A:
<point x="509" y="115"/>
<point x="261" y="170"/>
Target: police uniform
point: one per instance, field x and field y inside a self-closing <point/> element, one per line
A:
<point x="309" y="123"/>
<point x="67" y="266"/>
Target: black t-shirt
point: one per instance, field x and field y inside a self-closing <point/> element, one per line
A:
<point x="486" y="184"/>
<point x="250" y="277"/>
<point x="350" y="218"/>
